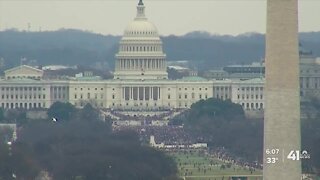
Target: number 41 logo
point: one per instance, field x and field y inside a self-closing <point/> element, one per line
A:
<point x="294" y="155"/>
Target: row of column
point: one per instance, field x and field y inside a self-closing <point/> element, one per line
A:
<point x="141" y="93"/>
<point x="310" y="82"/>
<point x="138" y="64"/>
<point x="147" y="49"/>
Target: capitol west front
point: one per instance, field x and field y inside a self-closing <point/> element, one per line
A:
<point x="140" y="81"/>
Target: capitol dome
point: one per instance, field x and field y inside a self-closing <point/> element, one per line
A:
<point x="140" y="53"/>
<point x="141" y="28"/>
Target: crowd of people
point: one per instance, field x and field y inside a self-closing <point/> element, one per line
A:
<point x="225" y="156"/>
<point x="139" y="116"/>
<point x="169" y="135"/>
<point x="176" y="135"/>
<point x="203" y="163"/>
<point x="163" y="114"/>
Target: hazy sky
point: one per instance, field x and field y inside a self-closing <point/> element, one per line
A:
<point x="170" y="16"/>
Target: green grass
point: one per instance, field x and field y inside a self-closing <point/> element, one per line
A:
<point x="198" y="166"/>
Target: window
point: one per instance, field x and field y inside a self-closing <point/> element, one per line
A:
<point x="185" y="96"/>
<point x="169" y="96"/>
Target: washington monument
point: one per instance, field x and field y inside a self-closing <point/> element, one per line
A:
<point x="282" y="135"/>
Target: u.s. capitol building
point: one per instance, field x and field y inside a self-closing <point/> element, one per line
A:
<point x="140" y="81"/>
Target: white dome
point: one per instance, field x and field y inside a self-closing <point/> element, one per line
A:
<point x="140" y="53"/>
<point x="141" y="28"/>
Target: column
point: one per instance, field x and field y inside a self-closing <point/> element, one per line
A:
<point x="143" y="89"/>
<point x="282" y="100"/>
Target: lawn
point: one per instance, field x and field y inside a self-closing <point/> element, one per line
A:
<point x="199" y="166"/>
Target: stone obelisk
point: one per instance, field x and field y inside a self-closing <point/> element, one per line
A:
<point x="282" y="111"/>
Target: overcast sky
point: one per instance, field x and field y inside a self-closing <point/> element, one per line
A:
<point x="170" y="16"/>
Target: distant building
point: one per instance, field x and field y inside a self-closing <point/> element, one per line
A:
<point x="241" y="72"/>
<point x="309" y="76"/>
<point x="140" y="81"/>
<point x="309" y="73"/>
<point x="23" y="71"/>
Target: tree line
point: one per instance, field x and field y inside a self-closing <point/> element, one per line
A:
<point x="77" y="145"/>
